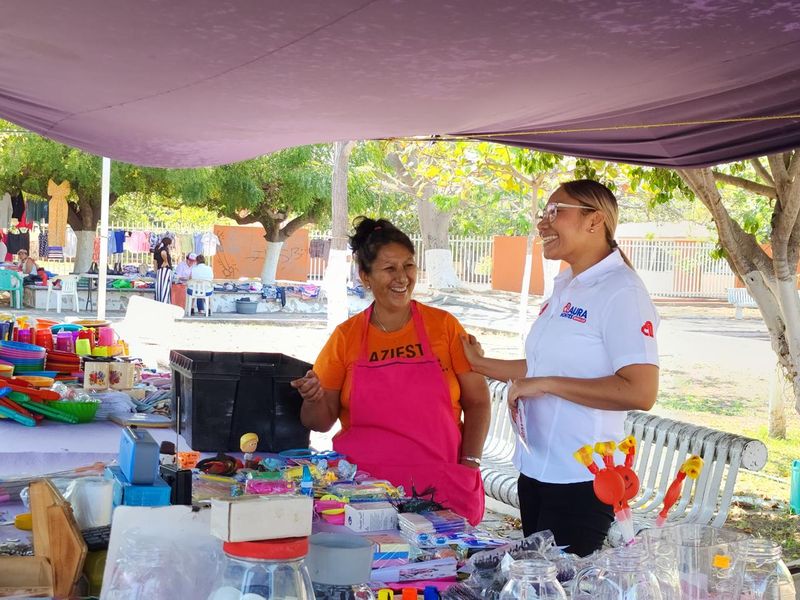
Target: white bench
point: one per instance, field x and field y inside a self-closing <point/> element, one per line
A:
<point x="662" y="446"/>
<point x="740" y="298"/>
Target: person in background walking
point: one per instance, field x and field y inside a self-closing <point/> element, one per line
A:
<point x="163" y="264"/>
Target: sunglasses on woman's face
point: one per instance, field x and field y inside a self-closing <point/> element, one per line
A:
<point x="550" y="211"/>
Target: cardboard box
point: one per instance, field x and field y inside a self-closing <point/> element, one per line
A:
<point x="370" y="516"/>
<point x="251" y="518"/>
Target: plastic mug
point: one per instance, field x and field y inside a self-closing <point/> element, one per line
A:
<point x="44" y="339"/>
<point x="83" y="347"/>
<point x="24" y="336"/>
<point x="105" y="336"/>
<point x="64" y="342"/>
<point x="88" y="335"/>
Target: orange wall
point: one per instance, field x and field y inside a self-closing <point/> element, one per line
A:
<point x="243" y="248"/>
<point x="508" y="264"/>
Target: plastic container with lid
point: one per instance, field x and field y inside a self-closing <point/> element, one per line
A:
<point x="264" y="570"/>
<point x="533" y="580"/>
<point x="766" y="576"/>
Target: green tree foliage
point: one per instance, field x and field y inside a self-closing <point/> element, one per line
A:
<point x="282" y="191"/>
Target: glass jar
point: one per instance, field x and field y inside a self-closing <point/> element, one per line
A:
<point x="625" y="573"/>
<point x="533" y="580"/>
<point x="264" y="570"/>
<point x="766" y="576"/>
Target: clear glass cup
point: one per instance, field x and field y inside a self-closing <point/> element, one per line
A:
<point x="766" y="576"/>
<point x="624" y="573"/>
<point x="533" y="580"/>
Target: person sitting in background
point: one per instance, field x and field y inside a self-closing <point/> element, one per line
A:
<point x="201" y="271"/>
<point x="27" y="265"/>
<point x="184" y="268"/>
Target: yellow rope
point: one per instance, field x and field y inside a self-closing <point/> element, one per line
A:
<point x="595" y="129"/>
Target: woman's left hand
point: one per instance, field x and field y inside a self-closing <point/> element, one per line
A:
<point x="470" y="464"/>
<point x="525" y="387"/>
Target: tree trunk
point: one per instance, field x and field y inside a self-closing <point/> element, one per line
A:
<point x="434" y="225"/>
<point x="525" y="288"/>
<point x="271" y="258"/>
<point x="770" y="280"/>
<point x="84" y="250"/>
<point x="336" y="271"/>
<point x="777" y="408"/>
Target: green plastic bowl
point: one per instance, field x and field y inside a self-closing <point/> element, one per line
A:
<point x="84" y="411"/>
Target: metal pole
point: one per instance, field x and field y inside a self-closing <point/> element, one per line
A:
<point x="102" y="277"/>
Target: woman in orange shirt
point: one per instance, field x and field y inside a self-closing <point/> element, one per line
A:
<point x="397" y="379"/>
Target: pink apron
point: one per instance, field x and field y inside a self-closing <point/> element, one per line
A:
<point x="402" y="427"/>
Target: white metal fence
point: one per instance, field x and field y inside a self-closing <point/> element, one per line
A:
<point x="66" y="265"/>
<point x="472" y="258"/>
<point x="680" y="269"/>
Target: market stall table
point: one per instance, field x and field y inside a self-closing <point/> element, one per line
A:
<point x="55" y="446"/>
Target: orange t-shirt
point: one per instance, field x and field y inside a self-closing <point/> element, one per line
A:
<point x="334" y="365"/>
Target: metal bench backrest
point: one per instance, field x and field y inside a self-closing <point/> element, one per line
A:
<point x="663" y="445"/>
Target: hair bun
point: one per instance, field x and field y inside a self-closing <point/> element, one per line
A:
<point x="364" y="228"/>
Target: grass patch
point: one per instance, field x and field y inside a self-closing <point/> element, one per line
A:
<point x="730" y="407"/>
<point x="779" y="526"/>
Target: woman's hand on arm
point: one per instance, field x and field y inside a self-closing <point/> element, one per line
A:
<point x="477" y="414"/>
<point x="502" y="370"/>
<point x="320" y="408"/>
<point x="633" y="387"/>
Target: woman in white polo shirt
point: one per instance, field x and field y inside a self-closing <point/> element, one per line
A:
<point x="590" y="356"/>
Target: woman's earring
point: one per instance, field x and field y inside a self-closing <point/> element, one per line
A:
<point x="591" y="230"/>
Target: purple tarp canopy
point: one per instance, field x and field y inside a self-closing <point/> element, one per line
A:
<point x="201" y="82"/>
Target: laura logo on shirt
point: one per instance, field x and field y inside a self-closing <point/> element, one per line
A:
<point x="574" y="313"/>
<point x="647" y="329"/>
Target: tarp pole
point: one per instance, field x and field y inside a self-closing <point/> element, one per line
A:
<point x="102" y="276"/>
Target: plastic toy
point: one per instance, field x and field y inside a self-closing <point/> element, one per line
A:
<point x="248" y="444"/>
<point x="691" y="468"/>
<point x="613" y="484"/>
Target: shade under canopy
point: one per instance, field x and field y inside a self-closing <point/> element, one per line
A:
<point x="201" y="82"/>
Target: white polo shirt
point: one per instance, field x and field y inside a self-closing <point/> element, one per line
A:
<point x="593" y="325"/>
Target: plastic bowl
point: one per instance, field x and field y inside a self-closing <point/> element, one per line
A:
<point x="84" y="411"/>
<point x="66" y="327"/>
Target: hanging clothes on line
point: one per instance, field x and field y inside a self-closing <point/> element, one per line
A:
<point x="57" y="215"/>
<point x="17" y="206"/>
<point x="18" y="239"/>
<point x="6" y="211"/>
<point x="37" y="211"/>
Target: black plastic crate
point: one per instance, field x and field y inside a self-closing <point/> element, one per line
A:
<point x="222" y="395"/>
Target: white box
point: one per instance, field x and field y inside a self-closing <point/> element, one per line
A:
<point x="250" y="518"/>
<point x="370" y="516"/>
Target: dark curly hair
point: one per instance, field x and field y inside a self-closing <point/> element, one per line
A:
<point x="370" y="236"/>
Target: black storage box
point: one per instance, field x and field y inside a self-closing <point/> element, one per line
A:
<point x="222" y="395"/>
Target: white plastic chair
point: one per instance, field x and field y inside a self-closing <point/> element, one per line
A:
<point x="69" y="287"/>
<point x="198" y="289"/>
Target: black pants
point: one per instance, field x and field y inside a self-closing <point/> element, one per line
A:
<point x="570" y="510"/>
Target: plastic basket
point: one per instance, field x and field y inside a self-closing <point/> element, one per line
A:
<point x="84" y="411"/>
<point x="222" y="395"/>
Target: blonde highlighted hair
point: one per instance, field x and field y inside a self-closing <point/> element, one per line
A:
<point x="598" y="197"/>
